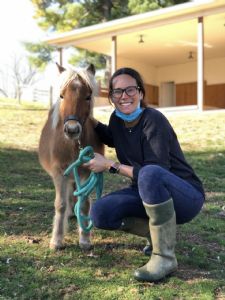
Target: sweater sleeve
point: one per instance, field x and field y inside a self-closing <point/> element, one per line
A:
<point x="105" y="134"/>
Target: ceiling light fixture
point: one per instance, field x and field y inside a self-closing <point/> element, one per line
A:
<point x="141" y="39"/>
<point x="190" y="56"/>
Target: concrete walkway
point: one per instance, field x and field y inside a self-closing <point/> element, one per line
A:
<point x="191" y="109"/>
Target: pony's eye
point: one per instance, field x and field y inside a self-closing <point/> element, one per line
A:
<point x="88" y="98"/>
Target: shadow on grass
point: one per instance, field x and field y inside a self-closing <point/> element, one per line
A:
<point x="34" y="278"/>
<point x="26" y="193"/>
<point x="26" y="190"/>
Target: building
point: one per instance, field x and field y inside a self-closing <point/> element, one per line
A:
<point x="179" y="50"/>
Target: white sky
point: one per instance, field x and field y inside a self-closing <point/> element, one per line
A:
<point x="16" y="25"/>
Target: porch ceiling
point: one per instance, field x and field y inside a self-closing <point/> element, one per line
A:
<point x="165" y="43"/>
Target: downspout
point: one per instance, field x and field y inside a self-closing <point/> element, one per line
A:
<point x="60" y="56"/>
<point x="200" y="65"/>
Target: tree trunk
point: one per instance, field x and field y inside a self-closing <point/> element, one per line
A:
<point x="3" y="93"/>
<point x="107" y="7"/>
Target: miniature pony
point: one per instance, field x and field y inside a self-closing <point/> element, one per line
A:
<point x="69" y="126"/>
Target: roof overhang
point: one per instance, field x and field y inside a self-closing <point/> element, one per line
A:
<point x="159" y="29"/>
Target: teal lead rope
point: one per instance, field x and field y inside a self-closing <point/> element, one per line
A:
<point x="95" y="180"/>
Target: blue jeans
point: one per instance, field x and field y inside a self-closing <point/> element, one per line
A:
<point x="155" y="185"/>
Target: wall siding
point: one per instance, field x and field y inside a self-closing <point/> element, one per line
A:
<point x="152" y="94"/>
<point x="186" y="93"/>
<point x="215" y="95"/>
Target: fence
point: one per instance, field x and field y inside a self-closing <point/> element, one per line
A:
<point x="47" y="95"/>
<point x="44" y="95"/>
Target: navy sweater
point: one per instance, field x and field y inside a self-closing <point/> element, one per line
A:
<point x="151" y="141"/>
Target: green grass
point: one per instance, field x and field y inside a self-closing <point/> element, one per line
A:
<point x="29" y="270"/>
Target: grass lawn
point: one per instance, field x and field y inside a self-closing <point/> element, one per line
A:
<point x="30" y="270"/>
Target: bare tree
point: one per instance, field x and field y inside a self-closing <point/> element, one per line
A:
<point x="3" y="93"/>
<point x="3" y="85"/>
<point x="16" y="76"/>
<point x="22" y="74"/>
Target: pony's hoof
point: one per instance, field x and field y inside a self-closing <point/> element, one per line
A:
<point x="56" y="246"/>
<point x="86" y="246"/>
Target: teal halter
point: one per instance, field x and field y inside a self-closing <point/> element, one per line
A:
<point x="95" y="180"/>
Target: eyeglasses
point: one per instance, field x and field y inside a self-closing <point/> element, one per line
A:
<point x="130" y="91"/>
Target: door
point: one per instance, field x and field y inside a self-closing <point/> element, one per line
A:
<point x="167" y="95"/>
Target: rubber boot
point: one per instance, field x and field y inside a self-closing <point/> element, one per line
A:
<point x="162" y="224"/>
<point x="139" y="227"/>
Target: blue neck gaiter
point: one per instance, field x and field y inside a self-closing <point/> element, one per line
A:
<point x="131" y="117"/>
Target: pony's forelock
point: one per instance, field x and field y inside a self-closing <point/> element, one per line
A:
<point x="69" y="75"/>
<point x="90" y="80"/>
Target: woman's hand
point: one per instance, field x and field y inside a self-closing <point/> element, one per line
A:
<point x="98" y="164"/>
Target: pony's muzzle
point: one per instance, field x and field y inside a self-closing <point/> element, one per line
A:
<point x="72" y="129"/>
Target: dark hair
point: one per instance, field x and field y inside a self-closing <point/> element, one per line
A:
<point x="131" y="72"/>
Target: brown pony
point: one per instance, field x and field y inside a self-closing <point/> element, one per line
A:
<point x="69" y="126"/>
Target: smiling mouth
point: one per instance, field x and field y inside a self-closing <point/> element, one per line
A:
<point x="125" y="103"/>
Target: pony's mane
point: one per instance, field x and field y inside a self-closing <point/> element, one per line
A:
<point x="64" y="80"/>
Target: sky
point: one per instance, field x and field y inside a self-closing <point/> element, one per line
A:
<point x="17" y="25"/>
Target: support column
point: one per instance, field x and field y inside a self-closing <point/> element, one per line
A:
<point x="200" y="64"/>
<point x="114" y="55"/>
<point x="61" y="56"/>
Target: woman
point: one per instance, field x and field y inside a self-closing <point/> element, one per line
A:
<point x="164" y="190"/>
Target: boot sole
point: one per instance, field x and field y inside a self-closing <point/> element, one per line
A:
<point x="157" y="280"/>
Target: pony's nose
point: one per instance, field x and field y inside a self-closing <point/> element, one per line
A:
<point x="72" y="130"/>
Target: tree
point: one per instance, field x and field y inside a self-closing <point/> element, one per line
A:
<point x="3" y="85"/>
<point x="41" y="54"/>
<point x="23" y="74"/>
<point x="141" y="6"/>
<point x="17" y="75"/>
<point x="60" y="16"/>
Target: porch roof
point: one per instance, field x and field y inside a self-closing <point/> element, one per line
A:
<point x="169" y="34"/>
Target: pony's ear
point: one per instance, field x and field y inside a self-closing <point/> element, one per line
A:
<point x="60" y="68"/>
<point x="91" y="69"/>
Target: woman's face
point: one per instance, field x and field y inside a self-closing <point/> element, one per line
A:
<point x="125" y="102"/>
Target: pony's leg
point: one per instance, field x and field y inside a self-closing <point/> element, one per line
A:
<point x="72" y="201"/>
<point x="61" y="215"/>
<point x="85" y="237"/>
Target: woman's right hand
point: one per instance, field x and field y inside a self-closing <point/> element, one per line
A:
<point x="98" y="164"/>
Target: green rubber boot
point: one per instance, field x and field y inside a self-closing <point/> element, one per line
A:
<point x="139" y="227"/>
<point x="162" y="224"/>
